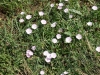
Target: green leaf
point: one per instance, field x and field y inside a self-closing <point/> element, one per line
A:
<point x="68" y="33"/>
<point x="76" y="11"/>
<point x="91" y="1"/>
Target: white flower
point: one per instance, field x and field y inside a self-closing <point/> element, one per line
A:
<point x="28" y="17"/>
<point x="29" y="53"/>
<point x="54" y="40"/>
<point x="94" y="7"/>
<point x="28" y="56"/>
<point x="53" y="55"/>
<point x="61" y="4"/>
<point x="43" y="21"/>
<point x="59" y="7"/>
<point x="34" y="26"/>
<point x="49" y="56"/>
<point x="28" y="30"/>
<point x="89" y="23"/>
<point x="42" y="72"/>
<point x="53" y="24"/>
<point x="66" y="10"/>
<point x="66" y="0"/>
<point x="68" y="39"/>
<point x="45" y="53"/>
<point x="70" y="16"/>
<point x="33" y="48"/>
<point x="41" y="13"/>
<point x="58" y="36"/>
<point x="98" y="49"/>
<point x="21" y="20"/>
<point x="52" y="5"/>
<point x="47" y="60"/>
<point x="79" y="36"/>
<point x="22" y="13"/>
<point x="65" y="72"/>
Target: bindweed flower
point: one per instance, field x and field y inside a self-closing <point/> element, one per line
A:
<point x="58" y="36"/>
<point x="53" y="55"/>
<point x="65" y="72"/>
<point x="98" y="49"/>
<point x="28" y="30"/>
<point x="22" y="13"/>
<point x="66" y="0"/>
<point x="33" y="48"/>
<point x="43" y="21"/>
<point x="45" y="53"/>
<point x="42" y="72"/>
<point x="47" y="60"/>
<point x="52" y="5"/>
<point x="21" y="20"/>
<point x="68" y="40"/>
<point x="94" y="7"/>
<point x="66" y="10"/>
<point x="61" y="4"/>
<point x="79" y="36"/>
<point x="28" y="17"/>
<point x="29" y="53"/>
<point x="41" y="13"/>
<point x="89" y="23"/>
<point x="53" y="24"/>
<point x="49" y="56"/>
<point x="70" y="16"/>
<point x="59" y="7"/>
<point x="54" y="40"/>
<point x="34" y="26"/>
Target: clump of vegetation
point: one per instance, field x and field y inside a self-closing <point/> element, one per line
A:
<point x="50" y="38"/>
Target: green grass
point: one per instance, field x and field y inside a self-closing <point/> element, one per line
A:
<point x="78" y="58"/>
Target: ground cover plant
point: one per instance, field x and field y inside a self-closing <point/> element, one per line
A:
<point x="56" y="37"/>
